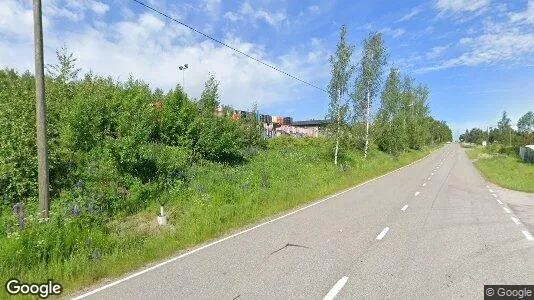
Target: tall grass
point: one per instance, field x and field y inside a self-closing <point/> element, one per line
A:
<point x="79" y="248"/>
<point x="503" y="167"/>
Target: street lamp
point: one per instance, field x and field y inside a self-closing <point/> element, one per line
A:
<point x="183" y="68"/>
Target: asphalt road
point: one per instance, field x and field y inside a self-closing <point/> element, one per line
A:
<point x="434" y="229"/>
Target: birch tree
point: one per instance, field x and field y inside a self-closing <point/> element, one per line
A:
<point x="341" y="71"/>
<point x="387" y="129"/>
<point x="369" y="78"/>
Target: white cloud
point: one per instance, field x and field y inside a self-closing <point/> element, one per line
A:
<point x="436" y="52"/>
<point x="526" y="16"/>
<point x="151" y="49"/>
<point x="16" y="19"/>
<point x="394" y="32"/>
<point x="148" y="20"/>
<point x="98" y="7"/>
<point x="211" y="7"/>
<point x="247" y="12"/>
<point x="232" y="16"/>
<point x="314" y="9"/>
<point x="414" y="12"/>
<point x="507" y="46"/>
<point x="454" y="6"/>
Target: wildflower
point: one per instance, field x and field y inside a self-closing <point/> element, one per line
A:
<point x="75" y="211"/>
<point x="245" y="186"/>
<point x="22" y="221"/>
<point x="80" y="184"/>
<point x="92" y="207"/>
<point x="17" y="208"/>
<point x="89" y="243"/>
<point x="96" y="254"/>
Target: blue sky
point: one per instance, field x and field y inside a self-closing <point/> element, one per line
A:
<point x="476" y="56"/>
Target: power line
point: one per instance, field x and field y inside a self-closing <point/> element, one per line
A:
<point x="226" y="45"/>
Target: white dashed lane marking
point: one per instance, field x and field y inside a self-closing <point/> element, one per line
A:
<point x="383" y="233"/>
<point x="336" y="288"/>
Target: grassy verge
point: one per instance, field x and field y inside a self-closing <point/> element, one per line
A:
<point x="507" y="171"/>
<point x="217" y="200"/>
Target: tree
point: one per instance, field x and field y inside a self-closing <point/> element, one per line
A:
<point x="65" y="69"/>
<point x="419" y="132"/>
<point x="505" y="122"/>
<point x="525" y="124"/>
<point x="341" y="71"/>
<point x="387" y="133"/>
<point x="505" y="129"/>
<point x="209" y="99"/>
<point x="369" y="77"/>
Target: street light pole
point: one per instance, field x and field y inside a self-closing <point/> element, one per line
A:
<point x="183" y="68"/>
<point x="42" y="151"/>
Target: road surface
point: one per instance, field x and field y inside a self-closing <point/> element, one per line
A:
<point x="434" y="229"/>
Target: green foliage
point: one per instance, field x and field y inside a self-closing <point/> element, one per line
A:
<point x="18" y="152"/>
<point x="80" y="244"/>
<point x="219" y="139"/>
<point x="209" y="100"/>
<point x="119" y="150"/>
<point x="65" y="70"/>
<point x="125" y="128"/>
<point x="526" y="123"/>
<point x="403" y="120"/>
<point x="502" y="166"/>
<point x="368" y="80"/>
<point x="341" y="71"/>
<point x="503" y="134"/>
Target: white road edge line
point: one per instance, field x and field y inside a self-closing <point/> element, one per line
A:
<point x="428" y="178"/>
<point x="336" y="288"/>
<point x="500" y="202"/>
<point x="239" y="233"/>
<point x="515" y="220"/>
<point x="507" y="210"/>
<point x="491" y="191"/>
<point x="494" y="195"/>
<point x="404" y="207"/>
<point x="527" y="235"/>
<point x="487" y="186"/>
<point x="424" y="184"/>
<point x="383" y="233"/>
<point x="416" y="194"/>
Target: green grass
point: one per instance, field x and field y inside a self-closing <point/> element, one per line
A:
<point x="504" y="170"/>
<point x="218" y="200"/>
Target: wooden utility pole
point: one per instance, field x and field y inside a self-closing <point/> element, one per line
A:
<point x="42" y="151"/>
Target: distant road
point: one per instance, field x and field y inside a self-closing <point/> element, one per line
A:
<point x="434" y="229"/>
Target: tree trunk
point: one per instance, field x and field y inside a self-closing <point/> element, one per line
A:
<point x="337" y="133"/>
<point x="367" y="121"/>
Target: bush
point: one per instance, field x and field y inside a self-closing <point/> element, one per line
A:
<point x="219" y="139"/>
